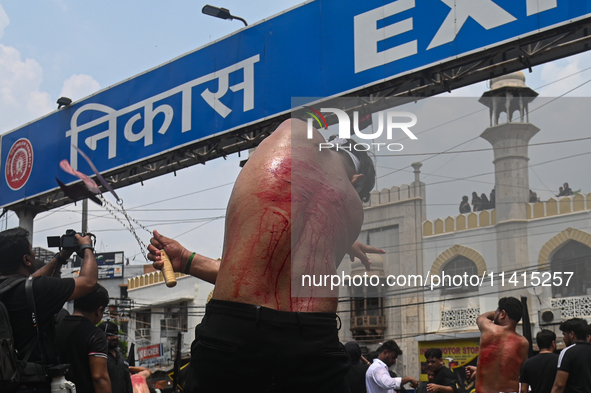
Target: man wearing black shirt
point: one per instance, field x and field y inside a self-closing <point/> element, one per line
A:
<point x="539" y="371"/>
<point x="574" y="362"/>
<point x="17" y="260"/>
<point x="356" y="375"/>
<point x="83" y="345"/>
<point x="444" y="380"/>
<point x="117" y="366"/>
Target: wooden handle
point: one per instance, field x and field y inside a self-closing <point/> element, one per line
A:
<point x="167" y="270"/>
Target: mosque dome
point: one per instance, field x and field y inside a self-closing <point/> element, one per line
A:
<point x="508" y="93"/>
<point x="515" y="79"/>
<point x="377" y="266"/>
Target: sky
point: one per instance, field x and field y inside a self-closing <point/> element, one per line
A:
<point x="55" y="48"/>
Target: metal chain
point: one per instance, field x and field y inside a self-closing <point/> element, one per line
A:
<point x="129" y="226"/>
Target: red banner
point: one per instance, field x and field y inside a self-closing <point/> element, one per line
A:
<point x="151" y="351"/>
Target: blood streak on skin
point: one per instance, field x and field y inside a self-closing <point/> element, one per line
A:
<point x="489" y="353"/>
<point x="277" y="239"/>
<point x="317" y="205"/>
<point x="322" y="210"/>
<point x="499" y="354"/>
<point x="274" y="238"/>
<point x="277" y="191"/>
<point x="273" y="226"/>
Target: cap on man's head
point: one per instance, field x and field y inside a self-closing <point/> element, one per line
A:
<point x="110" y="327"/>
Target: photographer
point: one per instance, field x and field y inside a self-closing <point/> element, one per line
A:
<point x="17" y="260"/>
<point x="83" y="345"/>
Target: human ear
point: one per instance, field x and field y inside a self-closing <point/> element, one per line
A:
<point x="358" y="179"/>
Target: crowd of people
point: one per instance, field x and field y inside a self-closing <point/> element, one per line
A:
<point x="45" y="336"/>
<point x="565" y="190"/>
<point x="503" y="364"/>
<point x="262" y="331"/>
<point x="372" y="374"/>
<point x="479" y="203"/>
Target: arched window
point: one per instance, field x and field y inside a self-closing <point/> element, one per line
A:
<point x="458" y="266"/>
<point x="572" y="257"/>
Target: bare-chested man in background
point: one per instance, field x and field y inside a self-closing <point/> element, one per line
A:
<point x="502" y="350"/>
<point x="295" y="209"/>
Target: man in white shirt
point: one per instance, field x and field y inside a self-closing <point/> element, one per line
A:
<point x="378" y="379"/>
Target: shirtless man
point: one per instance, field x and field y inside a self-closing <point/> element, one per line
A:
<point x="502" y="350"/>
<point x="294" y="209"/>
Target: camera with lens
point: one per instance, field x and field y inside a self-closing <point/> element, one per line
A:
<point x="69" y="241"/>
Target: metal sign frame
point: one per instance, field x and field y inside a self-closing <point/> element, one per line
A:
<point x="227" y="96"/>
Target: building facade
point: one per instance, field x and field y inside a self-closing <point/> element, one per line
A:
<point x="512" y="247"/>
<point x="158" y="314"/>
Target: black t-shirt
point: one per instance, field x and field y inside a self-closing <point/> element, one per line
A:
<point x="445" y="377"/>
<point x="539" y="372"/>
<point x="356" y="378"/>
<point x="50" y="295"/>
<point x="576" y="361"/>
<point x="119" y="374"/>
<point x="77" y="339"/>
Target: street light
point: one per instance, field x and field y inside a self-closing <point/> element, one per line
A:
<point x="222" y="13"/>
<point x="63" y="101"/>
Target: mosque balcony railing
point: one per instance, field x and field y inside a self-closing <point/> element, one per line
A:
<point x="368" y="327"/>
<point x="148" y="279"/>
<point x="459" y="317"/>
<point x="402" y="194"/>
<point x="552" y="207"/>
<point x="368" y="322"/>
<point x="573" y="306"/>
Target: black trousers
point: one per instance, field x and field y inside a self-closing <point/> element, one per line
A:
<point x="246" y="348"/>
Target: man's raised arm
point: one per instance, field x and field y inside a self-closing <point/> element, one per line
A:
<point x="485" y="321"/>
<point x="182" y="260"/>
<point x="87" y="279"/>
<point x="53" y="268"/>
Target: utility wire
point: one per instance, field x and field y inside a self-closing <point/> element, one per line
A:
<point x="483" y="149"/>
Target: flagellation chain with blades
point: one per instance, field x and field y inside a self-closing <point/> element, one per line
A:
<point x="89" y="189"/>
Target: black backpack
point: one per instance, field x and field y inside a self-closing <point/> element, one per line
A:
<point x="10" y="367"/>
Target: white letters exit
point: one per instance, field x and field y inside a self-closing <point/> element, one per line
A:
<point x="486" y="13"/>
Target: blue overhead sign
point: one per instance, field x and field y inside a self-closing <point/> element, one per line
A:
<point x="110" y="264"/>
<point x="321" y="48"/>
